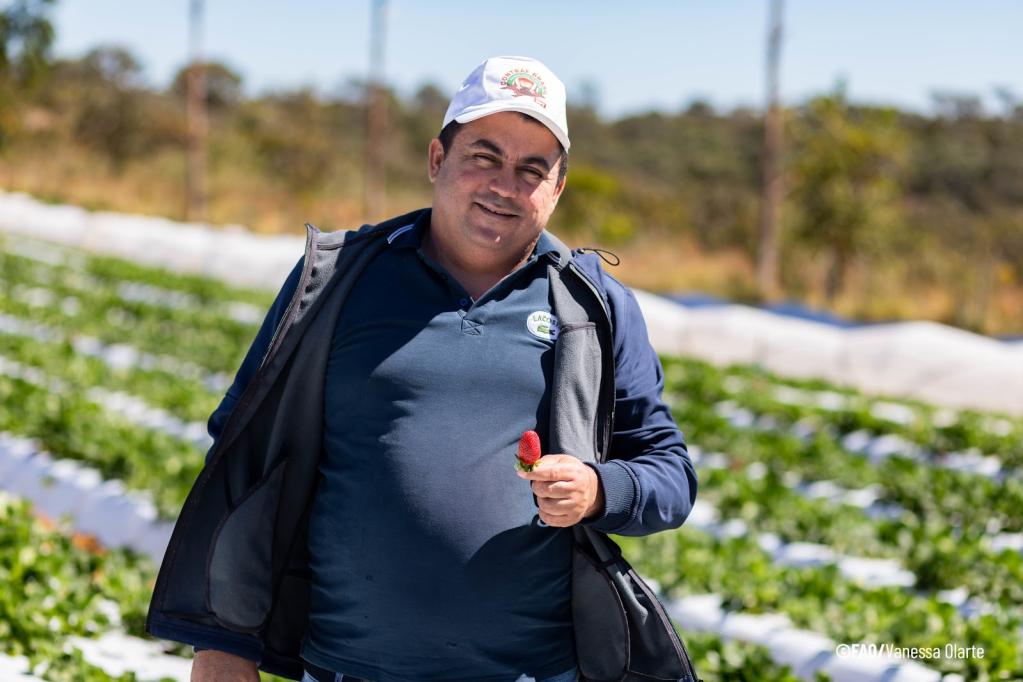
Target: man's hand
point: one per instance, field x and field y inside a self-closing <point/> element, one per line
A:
<point x="567" y="491"/>
<point x="217" y="666"/>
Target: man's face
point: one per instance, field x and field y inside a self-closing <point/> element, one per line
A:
<point x="494" y="190"/>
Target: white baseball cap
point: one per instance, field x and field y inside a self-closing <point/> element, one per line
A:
<point x="512" y="84"/>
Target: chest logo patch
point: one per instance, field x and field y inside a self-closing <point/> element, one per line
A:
<point x="542" y="325"/>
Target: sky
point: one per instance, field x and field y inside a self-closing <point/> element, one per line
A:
<point x="635" y="55"/>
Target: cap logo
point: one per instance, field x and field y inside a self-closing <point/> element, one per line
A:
<point x="525" y="83"/>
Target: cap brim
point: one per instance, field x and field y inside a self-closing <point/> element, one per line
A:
<point x="495" y="107"/>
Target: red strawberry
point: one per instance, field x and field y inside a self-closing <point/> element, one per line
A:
<point x="529" y="450"/>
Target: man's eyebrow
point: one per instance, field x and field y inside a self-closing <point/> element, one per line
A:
<point x="488" y="145"/>
<point x="538" y="161"/>
<point x="491" y="147"/>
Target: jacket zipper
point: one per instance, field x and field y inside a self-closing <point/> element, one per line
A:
<point x="289" y="312"/>
<point x="285" y="320"/>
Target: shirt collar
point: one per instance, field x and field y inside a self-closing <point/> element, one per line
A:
<point x="411" y="237"/>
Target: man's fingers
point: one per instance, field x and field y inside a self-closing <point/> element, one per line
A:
<point x="558" y="505"/>
<point x="556" y="520"/>
<point x="544" y="472"/>
<point x="559" y="519"/>
<point x="554" y="468"/>
<point x="555" y="489"/>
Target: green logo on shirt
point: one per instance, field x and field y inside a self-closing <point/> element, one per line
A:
<point x="542" y="325"/>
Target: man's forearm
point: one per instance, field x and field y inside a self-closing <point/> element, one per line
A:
<point x="217" y="666"/>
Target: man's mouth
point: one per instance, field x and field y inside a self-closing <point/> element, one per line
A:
<point x="497" y="212"/>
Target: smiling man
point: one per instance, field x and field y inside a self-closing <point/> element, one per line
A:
<point x="497" y="182"/>
<point x="360" y="515"/>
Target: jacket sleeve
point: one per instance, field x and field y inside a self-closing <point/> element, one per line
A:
<point x="648" y="480"/>
<point x="254" y="357"/>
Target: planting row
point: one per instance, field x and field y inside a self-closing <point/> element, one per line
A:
<point x="976" y="504"/>
<point x="133" y="409"/>
<point x="938" y="431"/>
<point x="67" y="489"/>
<point x="116" y="271"/>
<point x="974" y="576"/>
<point x="205" y="335"/>
<point x="60" y="585"/>
<point x="184" y="398"/>
<point x="117" y="357"/>
<point x="821" y="599"/>
<point x="71" y="426"/>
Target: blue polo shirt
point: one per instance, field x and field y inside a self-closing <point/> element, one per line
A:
<point x="427" y="556"/>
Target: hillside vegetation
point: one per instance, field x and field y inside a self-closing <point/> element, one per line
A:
<point x="888" y="214"/>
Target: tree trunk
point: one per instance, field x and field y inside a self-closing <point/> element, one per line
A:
<point x="376" y="112"/>
<point x="772" y="188"/>
<point x="197" y="123"/>
<point x="834" y="279"/>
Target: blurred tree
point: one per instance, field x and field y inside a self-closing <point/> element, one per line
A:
<point x="26" y="35"/>
<point x="286" y="130"/>
<point x="593" y="204"/>
<point x="846" y="165"/>
<point x="700" y="108"/>
<point x="223" y="86"/>
<point x="957" y="106"/>
<point x="76" y="85"/>
<point x="112" y="119"/>
<point x="421" y="118"/>
<point x="113" y="65"/>
<point x="967" y="178"/>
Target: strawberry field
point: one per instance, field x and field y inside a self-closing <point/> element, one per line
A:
<point x="825" y="517"/>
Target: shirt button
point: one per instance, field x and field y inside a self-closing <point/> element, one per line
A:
<point x="463" y="301"/>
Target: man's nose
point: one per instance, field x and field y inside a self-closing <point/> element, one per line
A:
<point x="504" y="182"/>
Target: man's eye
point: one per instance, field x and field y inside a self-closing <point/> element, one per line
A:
<point x="484" y="157"/>
<point x="534" y="173"/>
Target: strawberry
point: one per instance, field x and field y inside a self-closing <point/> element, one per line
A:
<point x="529" y="451"/>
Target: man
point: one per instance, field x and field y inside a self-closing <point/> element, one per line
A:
<point x="420" y="556"/>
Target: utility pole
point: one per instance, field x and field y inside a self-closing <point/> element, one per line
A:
<point x="376" y="113"/>
<point x="772" y="188"/>
<point x="196" y="115"/>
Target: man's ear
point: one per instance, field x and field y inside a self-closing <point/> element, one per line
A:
<point x="559" y="188"/>
<point x="435" y="157"/>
